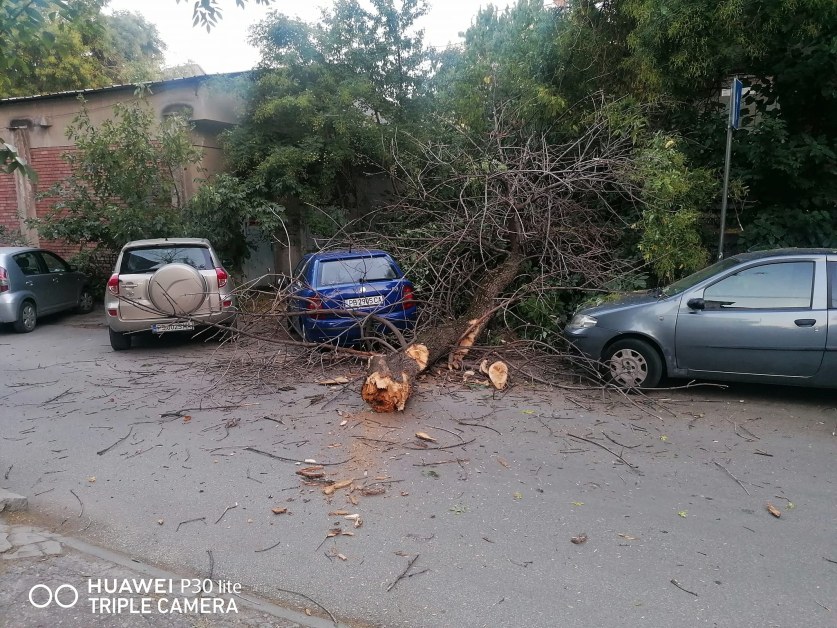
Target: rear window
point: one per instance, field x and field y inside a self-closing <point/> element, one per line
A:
<point x="356" y="270"/>
<point x="148" y="260"/>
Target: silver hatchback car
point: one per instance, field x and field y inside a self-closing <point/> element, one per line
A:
<point x="35" y="282"/>
<point x="767" y="316"/>
<point x="167" y="285"/>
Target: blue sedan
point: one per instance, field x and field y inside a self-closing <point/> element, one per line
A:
<point x="340" y="296"/>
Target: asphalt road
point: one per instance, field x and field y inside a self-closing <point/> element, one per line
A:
<point x="146" y="452"/>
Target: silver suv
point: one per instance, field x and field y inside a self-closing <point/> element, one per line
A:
<point x="167" y="285"/>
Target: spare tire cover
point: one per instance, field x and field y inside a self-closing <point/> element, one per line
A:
<point x="177" y="289"/>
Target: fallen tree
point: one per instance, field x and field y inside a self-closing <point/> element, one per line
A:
<point x="488" y="225"/>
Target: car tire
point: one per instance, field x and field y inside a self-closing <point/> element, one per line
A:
<point x="633" y="363"/>
<point x="27" y="317"/>
<point x="85" y="301"/>
<point x="119" y="341"/>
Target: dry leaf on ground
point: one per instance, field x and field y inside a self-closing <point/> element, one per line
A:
<point x="578" y="540"/>
<point x="425" y="436"/>
<point x="311" y="472"/>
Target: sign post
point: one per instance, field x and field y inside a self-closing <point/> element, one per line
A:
<point x="733" y="123"/>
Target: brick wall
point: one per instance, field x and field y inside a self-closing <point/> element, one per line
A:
<point x="51" y="168"/>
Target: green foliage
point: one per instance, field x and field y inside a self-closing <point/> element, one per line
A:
<point x="220" y="211"/>
<point x="325" y="100"/>
<point x="10" y="160"/>
<point x="125" y="179"/>
<point x="11" y="237"/>
<point x="507" y="62"/>
<point x="207" y="13"/>
<point x="73" y="45"/>
<point x="672" y="195"/>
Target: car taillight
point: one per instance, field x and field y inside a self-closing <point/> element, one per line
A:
<point x="222" y="277"/>
<point x="4" y="280"/>
<point x="408" y="301"/>
<point x="113" y="284"/>
<point x="314" y="304"/>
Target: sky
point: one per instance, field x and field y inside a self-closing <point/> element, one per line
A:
<point x="225" y="48"/>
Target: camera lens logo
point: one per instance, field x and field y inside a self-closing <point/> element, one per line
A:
<point x="41" y="596"/>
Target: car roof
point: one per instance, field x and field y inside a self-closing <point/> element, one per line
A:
<point x="12" y="250"/>
<point x="158" y="241"/>
<point x="755" y="255"/>
<point x="347" y="254"/>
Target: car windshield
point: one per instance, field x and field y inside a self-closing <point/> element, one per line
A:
<point x="150" y="259"/>
<point x="355" y="270"/>
<point x="695" y="278"/>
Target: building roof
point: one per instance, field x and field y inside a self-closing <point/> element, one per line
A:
<point x="122" y="86"/>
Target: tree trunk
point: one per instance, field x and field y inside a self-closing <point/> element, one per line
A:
<point x="390" y="377"/>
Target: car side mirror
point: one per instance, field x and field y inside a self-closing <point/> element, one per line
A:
<point x="696" y="304"/>
<point x="73" y="268"/>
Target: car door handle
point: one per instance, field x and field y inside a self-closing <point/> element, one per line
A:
<point x="805" y="322"/>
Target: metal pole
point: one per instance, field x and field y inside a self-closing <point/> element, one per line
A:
<point x="725" y="192"/>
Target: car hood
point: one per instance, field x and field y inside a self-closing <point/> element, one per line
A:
<point x="617" y="302"/>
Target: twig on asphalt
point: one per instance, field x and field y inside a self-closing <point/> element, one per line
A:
<point x="830" y="560"/>
<point x="459" y="436"/>
<point x="6" y="476"/>
<point x="269" y="548"/>
<point x="732" y="476"/>
<point x="403" y="573"/>
<point x="251" y="478"/>
<point x="759" y="452"/>
<point x="211" y="563"/>
<point x="141" y="451"/>
<point x="80" y="503"/>
<point x="228" y="508"/>
<point x="822" y="606"/>
<point x="617" y="443"/>
<point x="107" y="449"/>
<point x="462" y="444"/>
<point x="592" y="442"/>
<point x="313" y="601"/>
<point x="480" y="425"/>
<point x="677" y="584"/>
<point x="190" y="521"/>
<point x="57" y="397"/>
<point x="53" y="488"/>
<point x="294" y="460"/>
<point x="433" y="464"/>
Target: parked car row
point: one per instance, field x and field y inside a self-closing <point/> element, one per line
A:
<point x="179" y="284"/>
<point x="769" y="316"/>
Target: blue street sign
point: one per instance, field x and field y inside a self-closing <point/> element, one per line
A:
<point x="735" y="104"/>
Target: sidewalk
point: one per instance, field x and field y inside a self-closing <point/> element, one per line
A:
<point x="39" y="568"/>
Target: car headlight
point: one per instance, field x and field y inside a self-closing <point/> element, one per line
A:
<point x="582" y="321"/>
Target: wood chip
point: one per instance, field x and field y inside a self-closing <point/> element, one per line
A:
<point x="329" y="490"/>
<point x="773" y="510"/>
<point x="338" y="513"/>
<point x="279" y="511"/>
<point x="578" y="540"/>
<point x="311" y="472"/>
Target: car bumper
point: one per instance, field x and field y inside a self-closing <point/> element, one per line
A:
<point x="347" y="331"/>
<point x="225" y="317"/>
<point x="10" y="306"/>
<point x="589" y="341"/>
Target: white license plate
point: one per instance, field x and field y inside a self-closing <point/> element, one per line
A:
<point x="162" y="328"/>
<point x="364" y="301"/>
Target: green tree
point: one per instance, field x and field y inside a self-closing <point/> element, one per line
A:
<point x="125" y="181"/>
<point x="326" y="98"/>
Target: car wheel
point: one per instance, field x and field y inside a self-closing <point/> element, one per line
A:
<point x="85" y="301"/>
<point x="27" y="318"/>
<point x="119" y="341"/>
<point x="633" y="363"/>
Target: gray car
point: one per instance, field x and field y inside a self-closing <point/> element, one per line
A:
<point x="35" y="282"/>
<point x="167" y="285"/>
<point x="755" y="317"/>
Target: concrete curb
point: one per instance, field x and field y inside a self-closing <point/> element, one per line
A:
<point x="12" y="501"/>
